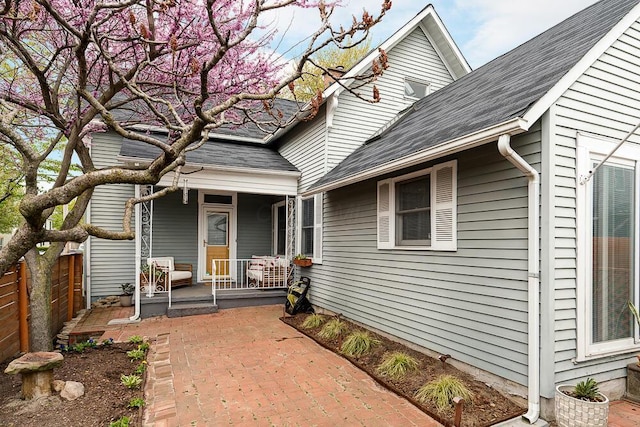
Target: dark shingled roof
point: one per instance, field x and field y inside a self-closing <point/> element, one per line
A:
<point x="218" y="153"/>
<point x="503" y="89"/>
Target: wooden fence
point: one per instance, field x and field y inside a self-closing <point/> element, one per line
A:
<point x="66" y="300"/>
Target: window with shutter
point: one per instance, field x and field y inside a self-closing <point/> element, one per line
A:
<point x="310" y="238"/>
<point x="418" y="210"/>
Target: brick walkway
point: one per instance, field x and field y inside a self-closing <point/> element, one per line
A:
<point x="245" y="367"/>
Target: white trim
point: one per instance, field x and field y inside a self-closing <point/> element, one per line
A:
<point x="512" y="127"/>
<point x="427" y="87"/>
<point x="203" y="209"/>
<point x="191" y="166"/>
<point x="590" y="148"/>
<point x="435" y="245"/>
<point x="553" y="94"/>
<point x="212" y="136"/>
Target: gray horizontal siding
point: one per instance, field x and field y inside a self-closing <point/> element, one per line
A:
<point x="175" y="228"/>
<point x="604" y="101"/>
<point x="304" y="147"/>
<point x="471" y="303"/>
<point x="112" y="262"/>
<point x="255" y="233"/>
<point x="356" y="121"/>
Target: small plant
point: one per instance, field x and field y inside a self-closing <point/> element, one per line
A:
<point x="135" y="339"/>
<point x="442" y="390"/>
<point x="396" y="365"/>
<point x="107" y="342"/>
<point x="333" y="329"/>
<point x="358" y="343"/>
<point x="136" y="402"/>
<point x="634" y="311"/>
<point x="121" y="422"/>
<point x="141" y="368"/>
<point x="127" y="288"/>
<point x="313" y="321"/>
<point x="136" y="354"/>
<point x="300" y="256"/>
<point x="144" y="346"/>
<point x="586" y="390"/>
<point x="131" y="381"/>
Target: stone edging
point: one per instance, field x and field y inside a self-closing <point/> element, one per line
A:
<point x="159" y="392"/>
<point x="63" y="337"/>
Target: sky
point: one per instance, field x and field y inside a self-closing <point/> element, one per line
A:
<point x="482" y="29"/>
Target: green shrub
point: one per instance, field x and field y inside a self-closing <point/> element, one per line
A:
<point x="122" y="422"/>
<point x="141" y="368"/>
<point x="313" y="321"/>
<point x="136" y="402"/>
<point x="136" y="354"/>
<point x="358" y="343"/>
<point x="135" y="339"/>
<point x="131" y="381"/>
<point x="586" y="390"/>
<point x="333" y="329"/>
<point x="442" y="390"/>
<point x="396" y="365"/>
<point x="144" y="346"/>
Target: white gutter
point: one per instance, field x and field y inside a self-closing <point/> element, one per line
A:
<point x="87" y="263"/>
<point x="512" y="127"/>
<point x="533" y="275"/>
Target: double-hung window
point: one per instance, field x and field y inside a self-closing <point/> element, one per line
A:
<point x="310" y="226"/>
<point x="607" y="225"/>
<point x="418" y="210"/>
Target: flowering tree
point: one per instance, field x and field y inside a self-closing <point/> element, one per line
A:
<point x="70" y="68"/>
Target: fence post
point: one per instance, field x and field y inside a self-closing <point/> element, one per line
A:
<point x="71" y="282"/>
<point x="23" y="308"/>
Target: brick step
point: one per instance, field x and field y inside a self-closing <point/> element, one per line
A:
<point x="191" y="309"/>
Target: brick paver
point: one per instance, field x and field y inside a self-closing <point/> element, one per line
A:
<point x="245" y="367"/>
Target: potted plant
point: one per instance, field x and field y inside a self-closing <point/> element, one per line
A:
<point x="633" y="369"/>
<point x="127" y="294"/>
<point x="302" y="261"/>
<point x="581" y="405"/>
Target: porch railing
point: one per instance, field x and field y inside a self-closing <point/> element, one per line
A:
<point x="256" y="273"/>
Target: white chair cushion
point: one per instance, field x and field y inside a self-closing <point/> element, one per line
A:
<point x="255" y="275"/>
<point x="180" y="275"/>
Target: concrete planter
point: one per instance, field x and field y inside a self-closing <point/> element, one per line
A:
<point x="572" y="412"/>
<point x="633" y="382"/>
<point x="125" y="300"/>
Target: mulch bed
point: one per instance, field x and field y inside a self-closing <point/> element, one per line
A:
<point x="105" y="399"/>
<point x="487" y="406"/>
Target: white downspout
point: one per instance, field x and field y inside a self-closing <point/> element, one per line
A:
<point x="533" y="275"/>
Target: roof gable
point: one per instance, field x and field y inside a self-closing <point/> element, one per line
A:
<point x="512" y="86"/>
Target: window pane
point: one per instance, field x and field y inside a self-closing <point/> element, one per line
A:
<point x="217" y="229"/>
<point x="307" y="227"/>
<point x="217" y="198"/>
<point x="613" y="230"/>
<point x="307" y="212"/>
<point x="414" y="194"/>
<point x="416" y="226"/>
<point x="415" y="89"/>
<point x="307" y="242"/>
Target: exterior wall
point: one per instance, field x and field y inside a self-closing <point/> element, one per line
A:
<point x="111" y="262"/>
<point x="255" y="232"/>
<point x="605" y="101"/>
<point x="471" y="303"/>
<point x="355" y="120"/>
<point x="315" y="149"/>
<point x="304" y="147"/>
<point x="175" y="228"/>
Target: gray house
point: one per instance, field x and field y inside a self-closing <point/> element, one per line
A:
<point x="494" y="219"/>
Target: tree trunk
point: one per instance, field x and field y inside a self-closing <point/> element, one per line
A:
<point x="40" y="267"/>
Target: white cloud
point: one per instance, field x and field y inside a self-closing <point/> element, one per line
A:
<point x="504" y="24"/>
<point x="483" y="29"/>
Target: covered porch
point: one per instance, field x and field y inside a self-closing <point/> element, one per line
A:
<point x="225" y="239"/>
